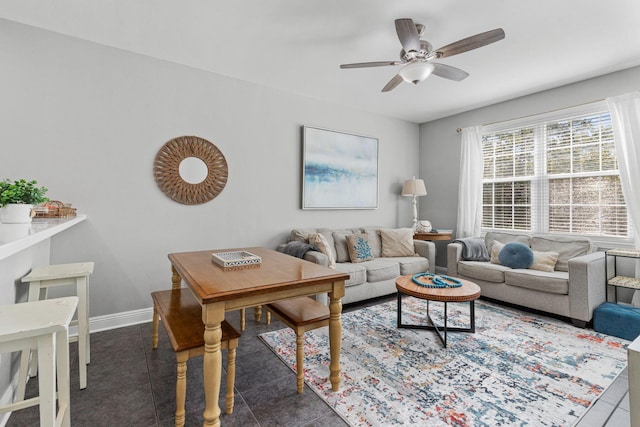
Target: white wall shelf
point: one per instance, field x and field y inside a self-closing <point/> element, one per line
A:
<point x="17" y="237"/>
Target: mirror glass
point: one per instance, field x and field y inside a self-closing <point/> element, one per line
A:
<point x="193" y="170"/>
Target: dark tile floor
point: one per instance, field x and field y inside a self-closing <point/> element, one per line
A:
<point x="131" y="385"/>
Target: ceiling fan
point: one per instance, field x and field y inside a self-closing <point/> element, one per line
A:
<point x="417" y="55"/>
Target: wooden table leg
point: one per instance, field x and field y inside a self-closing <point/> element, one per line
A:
<point x="182" y="357"/>
<point x="335" y="333"/>
<point x="243" y="320"/>
<point x="212" y="316"/>
<point x="176" y="280"/>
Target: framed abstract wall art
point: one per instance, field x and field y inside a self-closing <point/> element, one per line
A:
<point x="339" y="170"/>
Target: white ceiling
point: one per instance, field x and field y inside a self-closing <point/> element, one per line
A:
<point x="298" y="45"/>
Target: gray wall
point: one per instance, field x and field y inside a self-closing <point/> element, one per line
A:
<point x="86" y="121"/>
<point x="440" y="143"/>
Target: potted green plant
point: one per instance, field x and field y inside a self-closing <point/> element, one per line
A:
<point x="17" y="199"/>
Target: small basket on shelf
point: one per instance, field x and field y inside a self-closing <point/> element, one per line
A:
<point x="54" y="209"/>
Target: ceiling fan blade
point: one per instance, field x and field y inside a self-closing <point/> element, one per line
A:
<point x="393" y="83"/>
<point x="449" y="72"/>
<point x="408" y="34"/>
<point x="469" y="43"/>
<point x="370" y="64"/>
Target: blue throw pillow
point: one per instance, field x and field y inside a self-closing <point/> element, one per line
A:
<point x="516" y="255"/>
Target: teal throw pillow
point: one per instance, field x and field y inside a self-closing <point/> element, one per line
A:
<point x="516" y="255"/>
<point x="359" y="248"/>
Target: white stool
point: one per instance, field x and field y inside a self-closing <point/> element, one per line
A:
<point x="40" y="279"/>
<point x="44" y="326"/>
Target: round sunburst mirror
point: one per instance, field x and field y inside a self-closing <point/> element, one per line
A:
<point x="190" y="170"/>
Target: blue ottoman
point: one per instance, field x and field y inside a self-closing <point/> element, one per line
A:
<point x="618" y="320"/>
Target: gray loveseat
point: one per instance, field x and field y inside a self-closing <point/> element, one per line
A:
<point x="574" y="288"/>
<point x="367" y="279"/>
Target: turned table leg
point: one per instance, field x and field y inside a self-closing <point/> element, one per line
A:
<point x="212" y="316"/>
<point x="176" y="280"/>
<point x="335" y="333"/>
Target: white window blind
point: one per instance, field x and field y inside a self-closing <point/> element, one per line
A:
<point x="554" y="173"/>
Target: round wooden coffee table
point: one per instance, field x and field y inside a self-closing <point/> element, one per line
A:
<point x="469" y="291"/>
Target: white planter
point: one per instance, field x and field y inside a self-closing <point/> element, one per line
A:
<point x="16" y="214"/>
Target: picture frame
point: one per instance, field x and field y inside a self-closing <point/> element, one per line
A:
<point x="339" y="170"/>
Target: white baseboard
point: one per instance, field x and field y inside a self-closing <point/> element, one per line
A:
<point x="116" y="320"/>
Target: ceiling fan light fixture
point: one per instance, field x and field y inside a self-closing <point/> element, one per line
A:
<point x="417" y="71"/>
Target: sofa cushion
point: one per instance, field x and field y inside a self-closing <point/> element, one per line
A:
<point x="320" y="242"/>
<point x="544" y="261"/>
<point x="301" y="234"/>
<point x="359" y="249"/>
<point x="482" y="270"/>
<point x="328" y="234"/>
<point x="555" y="282"/>
<point x="342" y="248"/>
<point x="567" y="247"/>
<point x="397" y="242"/>
<point x="374" y="240"/>
<point x="410" y="265"/>
<point x="380" y="269"/>
<point x="496" y="248"/>
<point x="516" y="255"/>
<point x="357" y="273"/>
<point x="505" y="238"/>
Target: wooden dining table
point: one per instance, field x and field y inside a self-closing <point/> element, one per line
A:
<point x="277" y="277"/>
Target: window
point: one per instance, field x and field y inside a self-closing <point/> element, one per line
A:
<point x="555" y="173"/>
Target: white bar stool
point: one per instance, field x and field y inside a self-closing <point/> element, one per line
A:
<point x="42" y="278"/>
<point x="42" y="325"/>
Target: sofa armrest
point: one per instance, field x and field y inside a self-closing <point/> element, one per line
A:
<point x="312" y="256"/>
<point x="317" y="258"/>
<point x="323" y="260"/>
<point x="587" y="288"/>
<point x="454" y="254"/>
<point x="426" y="249"/>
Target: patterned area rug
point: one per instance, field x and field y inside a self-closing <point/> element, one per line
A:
<point x="517" y="369"/>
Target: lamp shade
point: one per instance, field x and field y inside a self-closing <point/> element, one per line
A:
<point x="414" y="187"/>
<point x="417" y="71"/>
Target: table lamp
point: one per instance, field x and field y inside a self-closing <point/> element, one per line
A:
<point x="414" y="187"/>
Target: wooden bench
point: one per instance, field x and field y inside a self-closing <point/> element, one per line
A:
<point x="300" y="314"/>
<point x="181" y="316"/>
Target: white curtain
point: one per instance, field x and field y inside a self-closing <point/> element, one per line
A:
<point x="470" y="185"/>
<point x="625" y="120"/>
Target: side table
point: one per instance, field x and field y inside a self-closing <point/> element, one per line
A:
<point x="441" y="235"/>
<point x="620" y="281"/>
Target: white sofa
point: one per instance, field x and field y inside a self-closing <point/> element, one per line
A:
<point x="368" y="279"/>
<point x="573" y="289"/>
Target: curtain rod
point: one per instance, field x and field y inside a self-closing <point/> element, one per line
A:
<point x="458" y="130"/>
